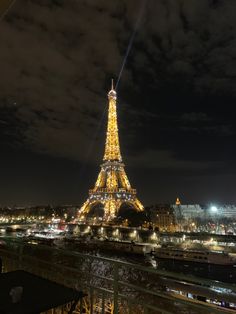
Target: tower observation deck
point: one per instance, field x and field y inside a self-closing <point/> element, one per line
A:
<point x="112" y="188"/>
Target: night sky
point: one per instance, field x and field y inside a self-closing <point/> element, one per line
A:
<point x="176" y="98"/>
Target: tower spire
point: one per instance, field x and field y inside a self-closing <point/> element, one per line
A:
<point x="112" y="146"/>
<point x="112" y="85"/>
<point x="177" y="202"/>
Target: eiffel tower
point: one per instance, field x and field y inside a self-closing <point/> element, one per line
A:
<point x="112" y="188"/>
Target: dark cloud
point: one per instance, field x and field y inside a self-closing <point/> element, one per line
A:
<point x="195" y="116"/>
<point x="49" y="56"/>
<point x="176" y="95"/>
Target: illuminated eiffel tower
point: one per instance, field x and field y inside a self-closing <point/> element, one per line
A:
<point x="112" y="188"/>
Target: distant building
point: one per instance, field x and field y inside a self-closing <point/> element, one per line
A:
<point x="223" y="211"/>
<point x="162" y="217"/>
<point x="228" y="211"/>
<point x="187" y="212"/>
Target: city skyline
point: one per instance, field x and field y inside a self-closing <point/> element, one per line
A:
<point x="176" y="99"/>
<point x="118" y="163"/>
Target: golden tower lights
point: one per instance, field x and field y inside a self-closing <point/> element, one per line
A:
<point x="112" y="187"/>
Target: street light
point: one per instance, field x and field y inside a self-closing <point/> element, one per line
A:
<point x="214" y="209"/>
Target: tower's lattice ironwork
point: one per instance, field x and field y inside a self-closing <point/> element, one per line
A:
<point x="112" y="188"/>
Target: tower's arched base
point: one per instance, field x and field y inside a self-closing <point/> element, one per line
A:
<point x="96" y="210"/>
<point x="129" y="216"/>
<point x="111" y="207"/>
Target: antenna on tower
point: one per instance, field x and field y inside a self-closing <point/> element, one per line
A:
<point x="112" y="84"/>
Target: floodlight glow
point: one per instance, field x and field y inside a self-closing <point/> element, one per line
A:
<point x="214" y="209"/>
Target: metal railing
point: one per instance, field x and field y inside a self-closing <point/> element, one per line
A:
<point x="116" y="286"/>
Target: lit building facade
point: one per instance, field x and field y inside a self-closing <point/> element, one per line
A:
<point x="162" y="217"/>
<point x="187" y="212"/>
<point x="112" y="188"/>
<point x="223" y="211"/>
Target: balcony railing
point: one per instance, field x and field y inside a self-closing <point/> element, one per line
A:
<point x="118" y="287"/>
